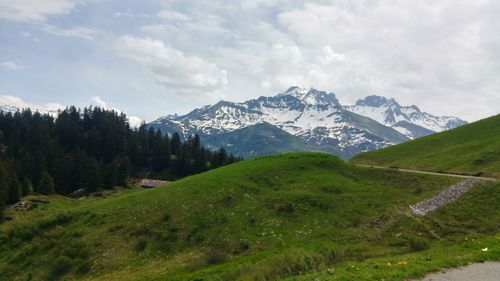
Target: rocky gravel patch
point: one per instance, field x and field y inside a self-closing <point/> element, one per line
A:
<point x="443" y="198"/>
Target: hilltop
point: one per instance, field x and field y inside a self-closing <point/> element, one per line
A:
<point x="472" y="149"/>
<point x="268" y="218"/>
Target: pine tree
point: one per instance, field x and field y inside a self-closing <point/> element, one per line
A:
<point x="3" y="190"/>
<point x="221" y="157"/>
<point x="94" y="175"/>
<point x="91" y="149"/>
<point x="14" y="189"/>
<point x="175" y="144"/>
<point x="110" y="174"/>
<point x="27" y="187"/>
<point x="123" y="172"/>
<point x="46" y="184"/>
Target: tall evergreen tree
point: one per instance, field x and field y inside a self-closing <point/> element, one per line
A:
<point x="46" y="184"/>
<point x="123" y="172"/>
<point x="14" y="189"/>
<point x="175" y="144"/>
<point x="3" y="190"/>
<point x="110" y="175"/>
<point x="94" y="148"/>
<point x="27" y="187"/>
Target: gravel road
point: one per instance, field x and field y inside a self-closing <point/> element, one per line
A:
<point x="488" y="271"/>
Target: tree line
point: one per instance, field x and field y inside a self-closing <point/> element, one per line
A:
<point x="93" y="149"/>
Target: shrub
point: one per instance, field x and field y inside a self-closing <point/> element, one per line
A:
<point x="141" y="245"/>
<point x="215" y="257"/>
<point x="60" y="266"/>
<point x="83" y="267"/>
<point x="418" y="190"/>
<point x="418" y="244"/>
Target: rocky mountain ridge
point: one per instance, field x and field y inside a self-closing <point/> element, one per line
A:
<point x="310" y="117"/>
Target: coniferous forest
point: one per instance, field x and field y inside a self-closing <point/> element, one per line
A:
<point x="93" y="149"/>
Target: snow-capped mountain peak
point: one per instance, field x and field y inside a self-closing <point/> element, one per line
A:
<point x="310" y="117"/>
<point x="377" y="101"/>
<point x="390" y="113"/>
<point x="295" y="91"/>
<point x="311" y="97"/>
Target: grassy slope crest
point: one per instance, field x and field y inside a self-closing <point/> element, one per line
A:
<point x="472" y="149"/>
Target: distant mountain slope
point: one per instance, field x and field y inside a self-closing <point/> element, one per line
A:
<point x="258" y="139"/>
<point x="470" y="149"/>
<point x="409" y="120"/>
<point x="41" y="110"/>
<point x="315" y="117"/>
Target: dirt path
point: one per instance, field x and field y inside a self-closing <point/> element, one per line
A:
<point x="429" y="173"/>
<point x="488" y="271"/>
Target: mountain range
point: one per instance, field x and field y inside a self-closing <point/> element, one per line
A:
<point x="301" y="119"/>
<point x="41" y="110"/>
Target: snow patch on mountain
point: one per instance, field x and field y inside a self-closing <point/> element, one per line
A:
<point x="390" y="113"/>
<point x="316" y="117"/>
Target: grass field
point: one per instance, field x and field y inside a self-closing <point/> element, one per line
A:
<point x="298" y="216"/>
<point x="473" y="149"/>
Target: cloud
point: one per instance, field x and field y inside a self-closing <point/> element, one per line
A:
<point x="172" y="68"/>
<point x="420" y="52"/>
<point x="10" y="65"/>
<point x="97" y="101"/>
<point x="172" y="15"/>
<point x="385" y="47"/>
<point x="80" y="32"/>
<point x="134" y="121"/>
<point x="34" y="10"/>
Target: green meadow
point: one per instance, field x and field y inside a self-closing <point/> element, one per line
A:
<point x="473" y="149"/>
<point x="297" y="216"/>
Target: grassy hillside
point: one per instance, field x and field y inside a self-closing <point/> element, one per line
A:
<point x="472" y="149"/>
<point x="269" y="218"/>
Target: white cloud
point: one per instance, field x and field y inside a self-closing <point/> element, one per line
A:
<point x="387" y="48"/>
<point x="34" y="10"/>
<point x="420" y="52"/>
<point x="172" y="68"/>
<point x="10" y="65"/>
<point x="78" y="31"/>
<point x="330" y="56"/>
<point x="172" y="15"/>
<point x="134" y="121"/>
<point x="97" y="101"/>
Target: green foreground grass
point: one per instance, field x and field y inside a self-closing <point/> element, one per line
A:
<point x="473" y="149"/>
<point x="299" y="216"/>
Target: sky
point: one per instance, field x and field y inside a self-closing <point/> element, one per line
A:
<point x="152" y="58"/>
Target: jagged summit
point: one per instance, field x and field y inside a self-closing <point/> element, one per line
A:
<point x="376" y="101"/>
<point x="409" y="120"/>
<point x="311" y="117"/>
<point x="295" y="91"/>
<point x="311" y="96"/>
